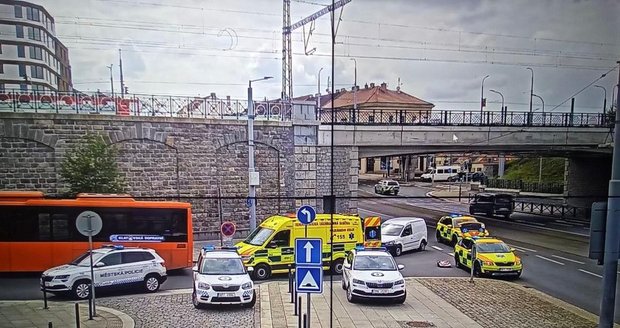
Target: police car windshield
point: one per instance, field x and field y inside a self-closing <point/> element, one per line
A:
<point x="492" y="248"/>
<point x="374" y="262"/>
<point x="259" y="236"/>
<point x="222" y="266"/>
<point x="391" y="229"/>
<point x="84" y="259"/>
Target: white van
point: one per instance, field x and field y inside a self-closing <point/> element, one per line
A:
<point x="404" y="234"/>
<point x="441" y="173"/>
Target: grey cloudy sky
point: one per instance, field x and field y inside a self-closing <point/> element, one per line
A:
<point x="440" y="49"/>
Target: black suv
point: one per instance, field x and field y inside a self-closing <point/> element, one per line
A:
<point x="492" y="204"/>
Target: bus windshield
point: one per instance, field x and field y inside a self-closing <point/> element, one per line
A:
<point x="259" y="236"/>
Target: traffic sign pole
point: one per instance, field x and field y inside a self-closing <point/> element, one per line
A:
<point x="89" y="223"/>
<point x="308" y="297"/>
<point x="304" y="248"/>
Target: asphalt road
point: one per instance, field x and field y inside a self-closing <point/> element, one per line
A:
<point x="555" y="260"/>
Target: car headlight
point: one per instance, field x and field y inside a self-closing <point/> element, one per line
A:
<point x="488" y="263"/>
<point x="247" y="285"/>
<point x="358" y="282"/>
<point x="62" y="277"/>
<point x="204" y="285"/>
<point x="517" y="261"/>
<point x="399" y="282"/>
<point x="389" y="243"/>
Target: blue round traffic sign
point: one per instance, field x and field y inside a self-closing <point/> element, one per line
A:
<point x="306" y="214"/>
<point x="372" y="234"/>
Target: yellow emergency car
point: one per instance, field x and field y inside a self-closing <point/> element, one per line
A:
<point x="270" y="248"/>
<point x="451" y="228"/>
<point x="493" y="257"/>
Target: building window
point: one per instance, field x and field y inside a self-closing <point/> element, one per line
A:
<point x="33" y="14"/>
<point x="22" y="70"/>
<point x="37" y="87"/>
<point x="34" y="33"/>
<point x="2" y="88"/>
<point x="18" y="12"/>
<point x="21" y="52"/>
<point x="23" y="87"/>
<point x="36" y="53"/>
<point x="19" y="31"/>
<point x="36" y="72"/>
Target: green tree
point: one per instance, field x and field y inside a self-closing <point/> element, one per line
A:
<point x="91" y="167"/>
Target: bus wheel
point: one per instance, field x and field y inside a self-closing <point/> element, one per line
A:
<point x="337" y="266"/>
<point x="151" y="283"/>
<point x="81" y="289"/>
<point x="262" y="271"/>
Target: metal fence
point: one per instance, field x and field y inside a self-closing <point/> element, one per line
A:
<point x="454" y="117"/>
<point x="542" y="187"/>
<point x="556" y="210"/>
<point x="140" y="105"/>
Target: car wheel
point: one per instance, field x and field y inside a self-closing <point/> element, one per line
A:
<point x="376" y="190"/>
<point x="396" y="193"/>
<point x="422" y="245"/>
<point x="350" y="297"/>
<point x="438" y="236"/>
<point x="454" y="241"/>
<point x="456" y="261"/>
<point x="81" y="289"/>
<point x="262" y="271"/>
<point x="252" y="302"/>
<point x="472" y="212"/>
<point x="151" y="283"/>
<point x="195" y="302"/>
<point x="343" y="284"/>
<point x="398" y="251"/>
<point x="506" y="216"/>
<point x="402" y="299"/>
<point x="336" y="267"/>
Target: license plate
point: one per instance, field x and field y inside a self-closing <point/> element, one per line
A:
<point x="380" y="291"/>
<point x="505" y="269"/>
<point x="226" y="295"/>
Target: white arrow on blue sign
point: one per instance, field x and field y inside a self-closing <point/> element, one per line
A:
<point x="306" y="214"/>
<point x="308" y="251"/>
<point x="309" y="279"/>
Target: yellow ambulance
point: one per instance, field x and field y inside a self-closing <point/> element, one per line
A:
<point x="270" y="248"/>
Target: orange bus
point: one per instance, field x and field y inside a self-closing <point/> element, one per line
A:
<point x="38" y="233"/>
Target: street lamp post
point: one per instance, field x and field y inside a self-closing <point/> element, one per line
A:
<point x="318" y="98"/>
<point x="111" y="80"/>
<point x="253" y="178"/>
<point x="531" y="94"/>
<point x="482" y="97"/>
<point x="543" y="108"/>
<point x="501" y="95"/>
<point x="604" y="98"/>
<point x="613" y="93"/>
<point x="354" y="90"/>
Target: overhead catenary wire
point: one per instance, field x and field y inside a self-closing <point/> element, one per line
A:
<point x="584" y="88"/>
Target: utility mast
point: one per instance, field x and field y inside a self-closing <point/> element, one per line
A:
<point x="287" y="51"/>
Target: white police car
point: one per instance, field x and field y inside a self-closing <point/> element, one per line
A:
<point x="221" y="278"/>
<point x="372" y="273"/>
<point x="114" y="266"/>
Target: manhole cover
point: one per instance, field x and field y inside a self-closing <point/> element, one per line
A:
<point x="417" y="324"/>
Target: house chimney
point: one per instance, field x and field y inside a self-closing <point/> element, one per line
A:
<point x="353" y="88"/>
<point x="384" y="86"/>
<point x="366" y="86"/>
<point x="372" y="85"/>
<point x="398" y="89"/>
<point x="343" y="90"/>
<point x="212" y="95"/>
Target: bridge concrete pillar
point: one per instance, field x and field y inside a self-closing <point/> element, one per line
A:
<point x="502" y="165"/>
<point x="586" y="180"/>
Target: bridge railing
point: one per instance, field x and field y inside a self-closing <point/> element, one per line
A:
<point x="140" y="105"/>
<point x="556" y="210"/>
<point x="526" y="186"/>
<point x="454" y="117"/>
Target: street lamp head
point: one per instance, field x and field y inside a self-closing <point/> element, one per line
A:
<point x="268" y="77"/>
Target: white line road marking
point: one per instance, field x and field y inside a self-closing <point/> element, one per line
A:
<point x="451" y="254"/>
<point x="376" y="213"/>
<point x="529" y="222"/>
<point x="567" y="259"/>
<point x="521" y="247"/>
<point x="591" y="273"/>
<point x="437" y="248"/>
<point x="520" y="250"/>
<point x="563" y="224"/>
<point x="550" y="260"/>
<point x="581" y="223"/>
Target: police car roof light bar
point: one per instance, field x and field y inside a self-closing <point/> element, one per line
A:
<point x="112" y="246"/>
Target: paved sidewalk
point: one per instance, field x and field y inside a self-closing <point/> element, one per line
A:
<point x="14" y="314"/>
<point x="431" y="302"/>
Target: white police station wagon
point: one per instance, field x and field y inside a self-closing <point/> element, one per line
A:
<point x="372" y="273"/>
<point x="115" y="266"/>
<point x="221" y="278"/>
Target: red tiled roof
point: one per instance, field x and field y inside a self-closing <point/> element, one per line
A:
<point x="378" y="95"/>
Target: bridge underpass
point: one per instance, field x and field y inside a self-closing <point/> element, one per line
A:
<point x="586" y="149"/>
